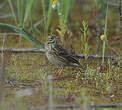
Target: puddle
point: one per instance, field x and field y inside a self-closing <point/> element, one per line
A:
<point x="24" y="92"/>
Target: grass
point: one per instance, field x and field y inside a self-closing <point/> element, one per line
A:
<point x="62" y="8"/>
<point x="97" y="84"/>
<point x="105" y="34"/>
<point x="42" y="75"/>
<point x="3" y="44"/>
<point x="84" y="39"/>
<point x="22" y="14"/>
<point x="50" y="82"/>
<point x="18" y="105"/>
<point x="47" y="14"/>
<point x="64" y="16"/>
<point x="93" y="83"/>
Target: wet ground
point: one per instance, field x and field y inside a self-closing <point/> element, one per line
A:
<point x="25" y="82"/>
<point x="101" y="84"/>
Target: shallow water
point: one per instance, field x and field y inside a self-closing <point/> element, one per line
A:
<point x="26" y="74"/>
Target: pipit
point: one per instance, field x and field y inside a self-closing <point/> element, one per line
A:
<point x="58" y="55"/>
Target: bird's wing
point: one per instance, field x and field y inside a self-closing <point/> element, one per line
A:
<point x="64" y="53"/>
<point x="61" y="50"/>
<point x="73" y="59"/>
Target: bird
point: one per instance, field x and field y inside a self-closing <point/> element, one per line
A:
<point x="58" y="55"/>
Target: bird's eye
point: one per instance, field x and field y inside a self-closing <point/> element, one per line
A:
<point x="53" y="37"/>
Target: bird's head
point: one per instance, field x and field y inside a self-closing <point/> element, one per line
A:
<point x="52" y="38"/>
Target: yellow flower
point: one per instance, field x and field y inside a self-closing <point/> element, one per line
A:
<point x="102" y="37"/>
<point x="55" y="3"/>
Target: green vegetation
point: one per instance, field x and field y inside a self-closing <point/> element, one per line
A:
<point x="95" y="28"/>
<point x="64" y="16"/>
<point x="105" y="34"/>
<point x="84" y="39"/>
<point x="47" y="14"/>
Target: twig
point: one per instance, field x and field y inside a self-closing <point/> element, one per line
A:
<point x="5" y="16"/>
<point x="36" y="50"/>
<point x="113" y="4"/>
<point x="77" y="106"/>
<point x="23" y="50"/>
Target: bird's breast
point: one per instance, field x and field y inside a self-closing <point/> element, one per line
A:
<point x="53" y="58"/>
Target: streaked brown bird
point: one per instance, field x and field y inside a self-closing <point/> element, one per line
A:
<point x="58" y="55"/>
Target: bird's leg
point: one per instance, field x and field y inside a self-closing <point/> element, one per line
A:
<point x="59" y="72"/>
